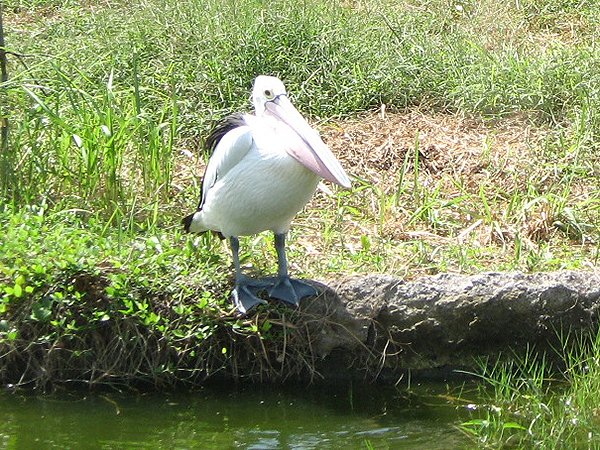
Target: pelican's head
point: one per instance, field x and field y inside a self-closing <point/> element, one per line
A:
<point x="266" y="89"/>
<point x="303" y="142"/>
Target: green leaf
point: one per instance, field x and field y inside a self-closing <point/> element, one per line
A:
<point x="365" y="242"/>
<point x="513" y="425"/>
<point x="17" y="290"/>
<point x="40" y="312"/>
<point x="476" y="422"/>
<point x="151" y="318"/>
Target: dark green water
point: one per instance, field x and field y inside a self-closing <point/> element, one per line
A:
<point x="253" y="417"/>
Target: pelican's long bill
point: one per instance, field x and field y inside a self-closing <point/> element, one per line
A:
<point x="308" y="148"/>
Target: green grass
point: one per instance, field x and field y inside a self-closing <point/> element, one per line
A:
<point x="113" y="92"/>
<point x="525" y="406"/>
<point x="113" y="97"/>
<point x="109" y="101"/>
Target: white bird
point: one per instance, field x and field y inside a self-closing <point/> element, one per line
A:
<point x="263" y="170"/>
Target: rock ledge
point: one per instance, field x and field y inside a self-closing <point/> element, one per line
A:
<point x="384" y="326"/>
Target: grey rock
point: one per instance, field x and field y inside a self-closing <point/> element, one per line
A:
<point x="380" y="325"/>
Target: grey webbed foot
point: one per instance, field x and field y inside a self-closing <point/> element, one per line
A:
<point x="245" y="299"/>
<point x="282" y="287"/>
<point x="244" y="294"/>
<point x="291" y="291"/>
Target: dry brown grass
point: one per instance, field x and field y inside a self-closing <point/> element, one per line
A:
<point x="375" y="146"/>
<point x="500" y="176"/>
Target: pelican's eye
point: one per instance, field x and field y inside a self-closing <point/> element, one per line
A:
<point x="269" y="94"/>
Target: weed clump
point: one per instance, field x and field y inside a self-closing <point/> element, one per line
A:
<point x="77" y="306"/>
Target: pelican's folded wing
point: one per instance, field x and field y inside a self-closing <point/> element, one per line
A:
<point x="229" y="151"/>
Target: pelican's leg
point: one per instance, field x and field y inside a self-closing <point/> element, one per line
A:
<point x="286" y="288"/>
<point x="243" y="297"/>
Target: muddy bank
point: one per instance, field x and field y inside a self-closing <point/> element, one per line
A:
<point x="372" y="328"/>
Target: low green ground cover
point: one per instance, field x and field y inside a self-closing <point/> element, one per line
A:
<point x="81" y="304"/>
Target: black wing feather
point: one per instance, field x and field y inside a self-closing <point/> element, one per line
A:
<point x="221" y="129"/>
<point x="214" y="137"/>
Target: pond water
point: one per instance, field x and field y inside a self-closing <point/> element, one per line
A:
<point x="251" y="417"/>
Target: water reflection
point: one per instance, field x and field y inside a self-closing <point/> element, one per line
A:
<point x="250" y="418"/>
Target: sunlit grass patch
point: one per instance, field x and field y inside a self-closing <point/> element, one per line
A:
<point x="101" y="150"/>
<point x="526" y="406"/>
<point x="445" y="193"/>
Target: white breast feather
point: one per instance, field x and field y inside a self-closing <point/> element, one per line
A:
<point x="252" y="188"/>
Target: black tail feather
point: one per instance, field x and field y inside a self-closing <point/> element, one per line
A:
<point x="214" y="137"/>
<point x="222" y="128"/>
<point x="187" y="222"/>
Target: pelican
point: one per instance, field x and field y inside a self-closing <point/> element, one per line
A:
<point x="263" y="170"/>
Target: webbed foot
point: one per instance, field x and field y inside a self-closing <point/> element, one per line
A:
<point x="245" y="299"/>
<point x="291" y="291"/>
